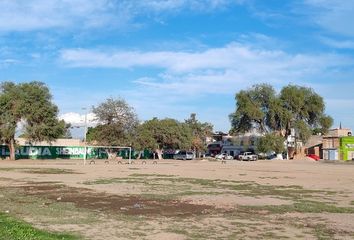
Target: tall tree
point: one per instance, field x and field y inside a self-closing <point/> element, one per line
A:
<point x="162" y="134"/>
<point x="257" y="107"/>
<point x="29" y="104"/>
<point x="117" y="123"/>
<point x="294" y="107"/>
<point x="200" y="132"/>
<point x="306" y="110"/>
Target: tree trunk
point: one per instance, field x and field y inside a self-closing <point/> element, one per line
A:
<point x="159" y="154"/>
<point x="12" y="149"/>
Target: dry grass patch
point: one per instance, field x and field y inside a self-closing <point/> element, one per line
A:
<point x="41" y="170"/>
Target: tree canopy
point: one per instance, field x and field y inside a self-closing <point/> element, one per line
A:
<point x="161" y="134"/>
<point x="117" y="123"/>
<point x="294" y="107"/>
<point x="29" y="105"/>
<point x="270" y="142"/>
<point x="200" y="131"/>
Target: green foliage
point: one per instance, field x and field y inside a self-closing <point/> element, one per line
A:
<point x="29" y="104"/>
<point x="294" y="107"/>
<point x="12" y="229"/>
<point x="163" y="134"/>
<point x="109" y="134"/>
<point x="270" y="142"/>
<point x="303" y="132"/>
<point x="117" y="123"/>
<point x="200" y="131"/>
<point x="67" y="133"/>
<point x="325" y="123"/>
<point x="253" y="108"/>
<point x="114" y="111"/>
<point x="304" y="104"/>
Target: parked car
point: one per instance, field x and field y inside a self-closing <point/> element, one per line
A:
<point x="224" y="156"/>
<point x="184" y="155"/>
<point x="249" y="156"/>
<point x="272" y="156"/>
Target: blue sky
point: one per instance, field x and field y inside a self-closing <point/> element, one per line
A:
<point x="170" y="58"/>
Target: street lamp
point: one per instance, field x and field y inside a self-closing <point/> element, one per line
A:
<point x="85" y="131"/>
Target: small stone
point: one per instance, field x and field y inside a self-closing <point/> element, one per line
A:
<point x="137" y="205"/>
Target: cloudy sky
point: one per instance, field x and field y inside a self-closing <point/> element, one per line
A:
<point x="170" y="58"/>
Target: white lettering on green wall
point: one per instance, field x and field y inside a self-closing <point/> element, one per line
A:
<point x="46" y="152"/>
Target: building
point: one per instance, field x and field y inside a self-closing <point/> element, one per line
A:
<point x="347" y="148"/>
<point x="233" y="145"/>
<point x="312" y="146"/>
<point x="335" y="144"/>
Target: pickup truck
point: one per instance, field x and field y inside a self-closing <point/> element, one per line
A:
<point x="248" y="156"/>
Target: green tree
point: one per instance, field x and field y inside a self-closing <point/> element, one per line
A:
<point x="67" y="133"/>
<point x="294" y="107"/>
<point x="270" y="142"/>
<point x="157" y="135"/>
<point x="29" y="105"/>
<point x="117" y="123"/>
<point x="306" y="109"/>
<point x="200" y="132"/>
<point x="258" y="107"/>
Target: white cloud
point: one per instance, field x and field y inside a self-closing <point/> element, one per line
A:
<point x="340" y="44"/>
<point x="232" y="56"/>
<point x="334" y="15"/>
<point x="77" y="119"/>
<point x="191" y="72"/>
<point x="199" y="81"/>
<point x="8" y="62"/>
<point x="196" y="5"/>
<point x="20" y="15"/>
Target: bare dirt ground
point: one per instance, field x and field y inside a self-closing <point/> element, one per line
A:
<point x="197" y="199"/>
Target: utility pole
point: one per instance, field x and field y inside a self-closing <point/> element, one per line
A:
<point x="85" y="133"/>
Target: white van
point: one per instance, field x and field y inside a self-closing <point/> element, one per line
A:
<point x="184" y="155"/>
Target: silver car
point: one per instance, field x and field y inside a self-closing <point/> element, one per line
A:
<point x="184" y="155"/>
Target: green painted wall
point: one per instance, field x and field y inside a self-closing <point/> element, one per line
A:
<point x="347" y="148"/>
<point x="58" y="152"/>
<point x="71" y="152"/>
